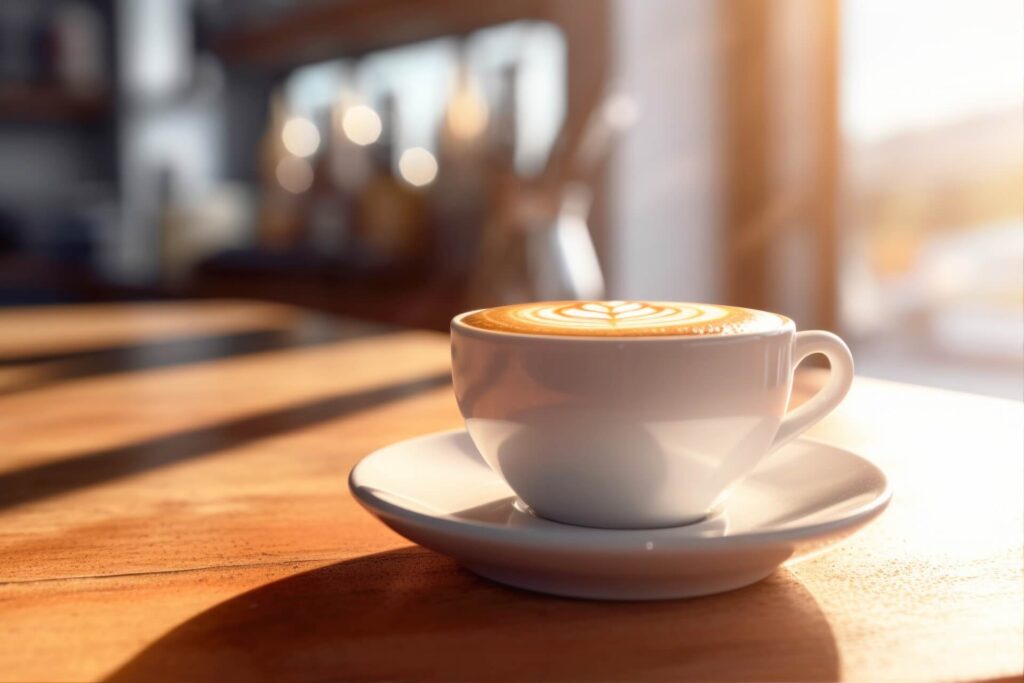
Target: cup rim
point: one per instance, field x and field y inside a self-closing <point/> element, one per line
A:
<point x="788" y="327"/>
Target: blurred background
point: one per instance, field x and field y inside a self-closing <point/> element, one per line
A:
<point x="858" y="165"/>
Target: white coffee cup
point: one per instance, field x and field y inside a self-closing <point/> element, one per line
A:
<point x="634" y="432"/>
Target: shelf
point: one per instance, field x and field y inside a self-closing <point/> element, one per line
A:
<point x="348" y="29"/>
<point x="50" y="104"/>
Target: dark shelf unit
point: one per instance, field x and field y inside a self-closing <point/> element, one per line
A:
<point x="51" y="104"/>
<point x="348" y="29"/>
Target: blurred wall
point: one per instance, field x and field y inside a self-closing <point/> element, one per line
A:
<point x="40" y="166"/>
<point x="665" y="176"/>
<point x="56" y="151"/>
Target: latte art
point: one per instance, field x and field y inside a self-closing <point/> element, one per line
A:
<point x="624" y="319"/>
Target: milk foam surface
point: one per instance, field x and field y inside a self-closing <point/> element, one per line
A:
<point x="624" y="319"/>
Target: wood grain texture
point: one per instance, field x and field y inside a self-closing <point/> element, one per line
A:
<point x="190" y="521"/>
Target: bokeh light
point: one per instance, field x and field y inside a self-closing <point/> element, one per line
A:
<point x="417" y="166"/>
<point x="295" y="174"/>
<point x="361" y="125"/>
<point x="300" y="136"/>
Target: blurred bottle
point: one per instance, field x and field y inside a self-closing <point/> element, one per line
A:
<point x="466" y="116"/>
<point x="354" y="127"/>
<point x="329" y="207"/>
<point x="170" y="237"/>
<point x="504" y="185"/>
<point x="345" y="171"/>
<point x="503" y="131"/>
<point x="459" y="200"/>
<point x="78" y="36"/>
<point x="391" y="223"/>
<point x="282" y="176"/>
<point x="501" y="269"/>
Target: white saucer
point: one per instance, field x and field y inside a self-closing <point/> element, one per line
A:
<point x="437" y="491"/>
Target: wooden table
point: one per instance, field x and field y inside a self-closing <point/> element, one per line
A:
<point x="173" y="507"/>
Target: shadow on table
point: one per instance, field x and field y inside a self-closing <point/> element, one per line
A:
<point x="52" y="368"/>
<point x="37" y="482"/>
<point x="411" y="614"/>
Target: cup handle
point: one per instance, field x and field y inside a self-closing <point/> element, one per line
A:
<point x="822" y="403"/>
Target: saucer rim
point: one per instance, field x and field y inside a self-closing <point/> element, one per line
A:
<point x="554" y="535"/>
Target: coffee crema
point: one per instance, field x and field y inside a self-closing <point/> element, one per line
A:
<point x="624" y="319"/>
